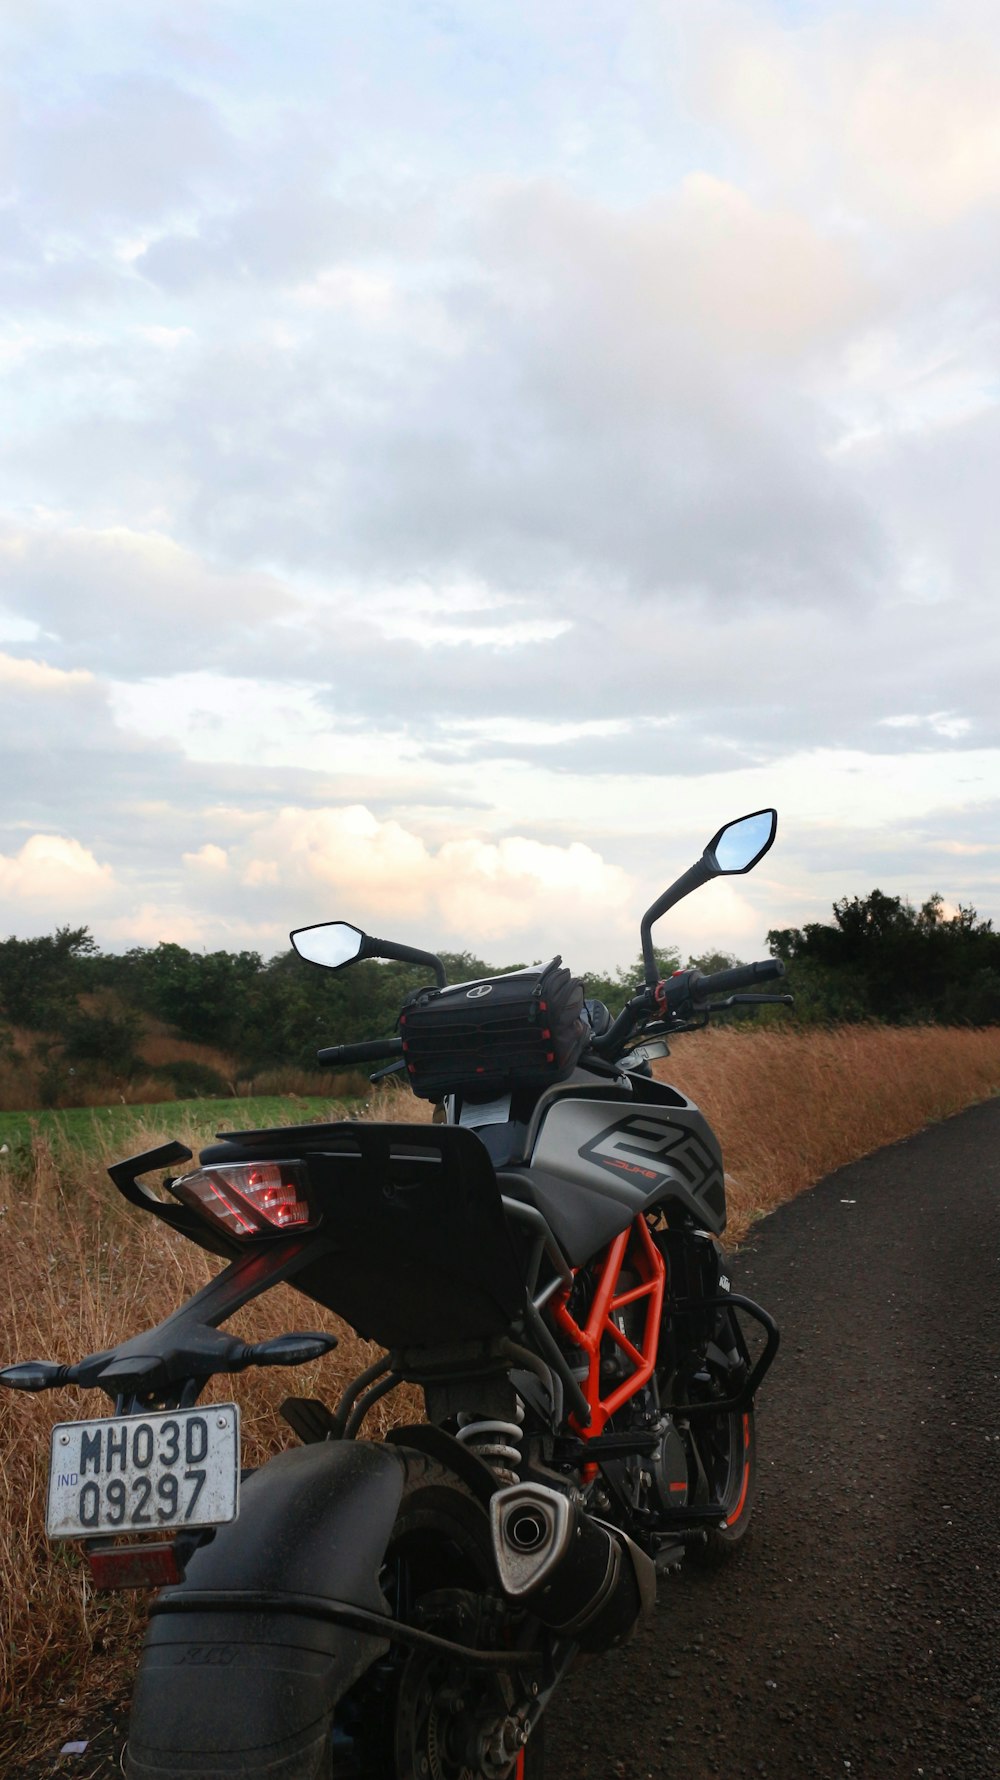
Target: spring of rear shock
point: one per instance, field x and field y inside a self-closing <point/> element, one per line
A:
<point x="497" y="1443"/>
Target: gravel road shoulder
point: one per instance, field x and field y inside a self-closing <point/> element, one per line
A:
<point x="859" y="1632"/>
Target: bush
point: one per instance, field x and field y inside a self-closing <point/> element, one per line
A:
<point x="107" y="1039"/>
<point x="192" y="1081"/>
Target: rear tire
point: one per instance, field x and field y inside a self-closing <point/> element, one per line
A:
<point x="396" y="1721"/>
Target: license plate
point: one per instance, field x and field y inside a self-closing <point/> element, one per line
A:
<point x="144" y="1473"/>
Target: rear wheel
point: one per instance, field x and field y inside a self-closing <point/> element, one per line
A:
<point x="420" y="1714"/>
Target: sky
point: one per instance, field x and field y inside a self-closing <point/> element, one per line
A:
<point x="455" y="456"/>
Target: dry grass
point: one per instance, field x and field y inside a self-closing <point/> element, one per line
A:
<point x="18" y="1083"/>
<point x="158" y="1047"/>
<point x="22" y="1076"/>
<point x="304" y="1084"/>
<point x="791" y="1106"/>
<point x="23" y="1068"/>
<point x="20" y="1069"/>
<point x="79" y="1270"/>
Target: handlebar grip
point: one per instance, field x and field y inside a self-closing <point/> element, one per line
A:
<point x="371" y="1050"/>
<point x="742" y="976"/>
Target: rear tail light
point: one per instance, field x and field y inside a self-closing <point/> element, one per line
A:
<point x="249" y="1198"/>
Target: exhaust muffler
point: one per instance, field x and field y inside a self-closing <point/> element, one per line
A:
<point x="578" y="1576"/>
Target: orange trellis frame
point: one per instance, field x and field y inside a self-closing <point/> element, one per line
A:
<point x="636" y="1247"/>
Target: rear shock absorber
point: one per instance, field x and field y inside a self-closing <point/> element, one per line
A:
<point x="497" y="1443"/>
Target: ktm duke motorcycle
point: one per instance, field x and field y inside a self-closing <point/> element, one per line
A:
<point x="543" y="1260"/>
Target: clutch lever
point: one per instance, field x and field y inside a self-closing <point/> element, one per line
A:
<point x="390" y="1069"/>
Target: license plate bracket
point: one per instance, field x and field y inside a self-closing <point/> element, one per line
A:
<point x="147" y="1473"/>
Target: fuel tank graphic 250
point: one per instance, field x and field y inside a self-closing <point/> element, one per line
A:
<point x="644" y="1154"/>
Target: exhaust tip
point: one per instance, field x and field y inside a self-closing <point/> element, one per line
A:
<point x="526" y="1530"/>
<point x="531" y="1529"/>
<point x="580" y="1577"/>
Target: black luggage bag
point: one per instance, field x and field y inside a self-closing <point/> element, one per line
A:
<point x="522" y="1030"/>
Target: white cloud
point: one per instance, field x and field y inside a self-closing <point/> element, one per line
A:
<point x="46" y="712"/>
<point x="167" y="338"/>
<point x="466" y="892"/>
<point x="23" y="673"/>
<point x="922" y="122"/>
<point x="209" y="858"/>
<point x="719" y="915"/>
<point x="138" y="599"/>
<point x="121" y="149"/>
<point x="895" y="117"/>
<point x="946" y="724"/>
<point x="58" y="872"/>
<point x="151" y="924"/>
<point x="705" y="266"/>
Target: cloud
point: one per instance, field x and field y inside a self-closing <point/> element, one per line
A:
<point x="657" y="688"/>
<point x="898" y="117"/>
<point x="940" y="723"/>
<point x="210" y="859"/>
<point x="289" y="235"/>
<point x="922" y="130"/>
<point x="135" y="601"/>
<point x="545" y="388"/>
<point x="153" y="924"/>
<point x="527" y="475"/>
<point x="45" y="710"/>
<point x="57" y="872"/>
<point x="20" y="672"/>
<point x="705" y="266"/>
<point x="304" y="865"/>
<point x="125" y="148"/>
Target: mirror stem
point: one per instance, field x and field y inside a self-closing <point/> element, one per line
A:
<point x="692" y="879"/>
<point x="387" y="948"/>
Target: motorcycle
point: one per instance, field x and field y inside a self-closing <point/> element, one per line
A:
<point x="543" y="1260"/>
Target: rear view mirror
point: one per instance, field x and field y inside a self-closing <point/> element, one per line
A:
<point x="739" y="845"/>
<point x="331" y="944"/>
<point x="736" y="848"/>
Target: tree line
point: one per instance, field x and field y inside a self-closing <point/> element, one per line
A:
<point x="880" y="958"/>
<point x="883" y="959"/>
<point x="92" y="1009"/>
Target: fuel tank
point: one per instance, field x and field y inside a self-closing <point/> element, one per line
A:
<point x="648" y="1147"/>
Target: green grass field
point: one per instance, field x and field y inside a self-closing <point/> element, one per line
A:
<point x="91" y="1127"/>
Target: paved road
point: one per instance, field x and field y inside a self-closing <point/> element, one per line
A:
<point x="859" y="1634"/>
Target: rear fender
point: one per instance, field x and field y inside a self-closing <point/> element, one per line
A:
<point x="249" y="1689"/>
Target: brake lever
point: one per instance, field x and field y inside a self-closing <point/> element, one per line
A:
<point x="718" y="1007"/>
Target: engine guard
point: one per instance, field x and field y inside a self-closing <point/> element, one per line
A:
<point x="744" y="1397"/>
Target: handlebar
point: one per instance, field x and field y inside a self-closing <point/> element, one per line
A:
<point x="687" y="991"/>
<point x="742" y="976"/>
<point x="370" y="1050"/>
<point x="609" y="1044"/>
